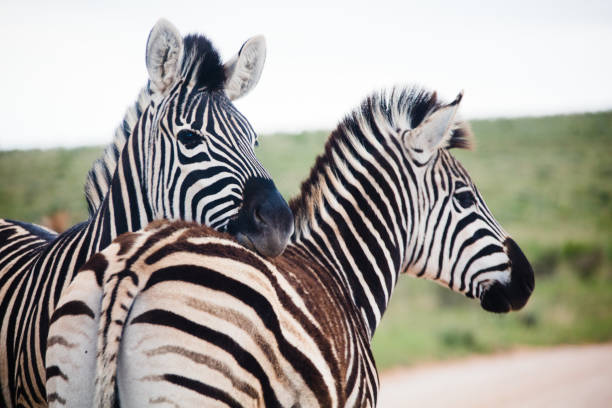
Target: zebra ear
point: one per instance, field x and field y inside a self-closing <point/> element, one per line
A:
<point x="164" y="55"/>
<point x="436" y="130"/>
<point x="244" y="69"/>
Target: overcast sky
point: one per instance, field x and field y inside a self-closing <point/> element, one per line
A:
<point x="69" y="69"/>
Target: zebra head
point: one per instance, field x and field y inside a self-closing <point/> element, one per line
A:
<point x="197" y="148"/>
<point x="459" y="243"/>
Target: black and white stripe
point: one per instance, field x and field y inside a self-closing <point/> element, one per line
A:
<point x="190" y="318"/>
<point x="183" y="152"/>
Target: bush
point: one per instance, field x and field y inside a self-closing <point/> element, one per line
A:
<point x="529" y="319"/>
<point x="584" y="258"/>
<point x="546" y="263"/>
<point x="460" y="339"/>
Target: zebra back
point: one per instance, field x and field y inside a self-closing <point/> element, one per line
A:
<point x="293" y="346"/>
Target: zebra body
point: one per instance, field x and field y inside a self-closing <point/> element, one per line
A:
<point x="189" y="318"/>
<point x="282" y="339"/>
<point x="183" y="152"/>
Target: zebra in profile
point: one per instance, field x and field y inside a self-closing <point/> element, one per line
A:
<point x="183" y="152"/>
<point x="190" y="318"/>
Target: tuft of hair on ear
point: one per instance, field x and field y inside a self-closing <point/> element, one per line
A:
<point x="461" y="137"/>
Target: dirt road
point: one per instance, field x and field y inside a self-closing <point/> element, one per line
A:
<point x="572" y="376"/>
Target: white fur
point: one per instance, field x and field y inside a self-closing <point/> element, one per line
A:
<point x="244" y="69"/>
<point x="436" y="129"/>
<point x="164" y="55"/>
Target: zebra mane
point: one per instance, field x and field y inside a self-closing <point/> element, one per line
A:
<point x="102" y="170"/>
<point x="201" y="66"/>
<point x="378" y="117"/>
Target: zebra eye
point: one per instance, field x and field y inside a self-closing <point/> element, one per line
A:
<point x="256" y="144"/>
<point x="465" y="199"/>
<point x="189" y="139"/>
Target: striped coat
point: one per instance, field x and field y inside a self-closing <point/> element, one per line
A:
<point x="189" y="318"/>
<point x="183" y="152"/>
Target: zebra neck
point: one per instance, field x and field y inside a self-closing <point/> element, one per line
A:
<point x="354" y="218"/>
<point x="126" y="207"/>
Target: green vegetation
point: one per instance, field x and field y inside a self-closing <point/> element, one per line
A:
<point x="547" y="180"/>
<point x="35" y="184"/>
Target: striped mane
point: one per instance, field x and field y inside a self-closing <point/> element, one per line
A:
<point x="202" y="65"/>
<point x="378" y="119"/>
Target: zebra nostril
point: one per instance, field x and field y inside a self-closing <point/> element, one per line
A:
<point x="259" y="221"/>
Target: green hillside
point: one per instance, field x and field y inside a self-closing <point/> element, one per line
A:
<point x="547" y="180"/>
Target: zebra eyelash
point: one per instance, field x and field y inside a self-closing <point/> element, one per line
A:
<point x="189" y="138"/>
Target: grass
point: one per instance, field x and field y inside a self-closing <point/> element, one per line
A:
<point x="35" y="184"/>
<point x="547" y="180"/>
<point x="425" y="322"/>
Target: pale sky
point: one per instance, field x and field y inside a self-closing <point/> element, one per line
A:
<point x="70" y="69"/>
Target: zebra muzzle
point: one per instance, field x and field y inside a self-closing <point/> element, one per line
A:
<point x="265" y="221"/>
<point x="503" y="297"/>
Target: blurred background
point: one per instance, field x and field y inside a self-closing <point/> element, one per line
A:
<point x="538" y="92"/>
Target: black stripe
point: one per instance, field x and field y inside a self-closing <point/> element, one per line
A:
<point x="460" y="226"/>
<point x="486" y="251"/>
<point x="443" y="245"/>
<point x="366" y="267"/>
<point x="500" y="267"/>
<point x="55" y="371"/>
<point x="243" y="358"/>
<point x="72" y="308"/>
<point x="34" y="230"/>
<point x="211" y="279"/>
<point x="56" y="398"/>
<point x="202" y="389"/>
<point x="333" y="250"/>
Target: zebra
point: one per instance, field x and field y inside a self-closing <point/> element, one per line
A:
<point x="182" y="315"/>
<point x="182" y="152"/>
